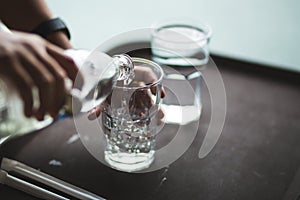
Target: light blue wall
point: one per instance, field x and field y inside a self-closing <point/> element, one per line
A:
<point x="265" y="31"/>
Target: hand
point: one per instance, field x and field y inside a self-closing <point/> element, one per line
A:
<point x="29" y="61"/>
<point x="141" y="104"/>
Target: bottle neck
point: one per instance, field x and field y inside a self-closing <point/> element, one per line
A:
<point x="125" y="67"/>
<point x="100" y="74"/>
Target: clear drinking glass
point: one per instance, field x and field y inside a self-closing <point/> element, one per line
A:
<point x="182" y="104"/>
<point x="180" y="42"/>
<point x="131" y="118"/>
<point x="180" y="46"/>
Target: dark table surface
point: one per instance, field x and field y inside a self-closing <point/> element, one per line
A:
<point x="256" y="157"/>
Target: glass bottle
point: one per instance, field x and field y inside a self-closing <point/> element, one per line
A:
<point x="100" y="73"/>
<point x="12" y="119"/>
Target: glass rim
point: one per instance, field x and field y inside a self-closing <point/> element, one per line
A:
<point x="181" y="22"/>
<point x="153" y="64"/>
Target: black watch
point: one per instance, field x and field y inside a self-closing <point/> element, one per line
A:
<point x="50" y="26"/>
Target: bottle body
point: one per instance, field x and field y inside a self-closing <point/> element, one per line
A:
<point x="12" y="118"/>
<point x="6" y="124"/>
<point x="100" y="73"/>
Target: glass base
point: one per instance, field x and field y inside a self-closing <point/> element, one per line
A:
<point x="182" y="115"/>
<point x="129" y="162"/>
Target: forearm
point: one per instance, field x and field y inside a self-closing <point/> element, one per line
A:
<point x="25" y="15"/>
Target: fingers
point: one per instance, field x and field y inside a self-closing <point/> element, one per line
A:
<point x="160" y="117"/>
<point x="29" y="61"/>
<point x="94" y="113"/>
<point x="22" y="81"/>
<point x="67" y="64"/>
<point x="145" y="75"/>
<point x="60" y="90"/>
<point x="140" y="103"/>
<point x="148" y="77"/>
<point x="51" y="61"/>
<point x="43" y="79"/>
<point x="57" y="98"/>
<point x="162" y="90"/>
<point x="48" y="76"/>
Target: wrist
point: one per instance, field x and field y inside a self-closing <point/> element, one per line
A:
<point x="60" y="39"/>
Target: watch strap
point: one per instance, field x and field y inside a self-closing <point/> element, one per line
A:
<point x="50" y="26"/>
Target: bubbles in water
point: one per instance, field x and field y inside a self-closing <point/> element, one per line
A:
<point x="128" y="135"/>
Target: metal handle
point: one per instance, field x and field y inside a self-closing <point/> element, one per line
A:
<point x="29" y="188"/>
